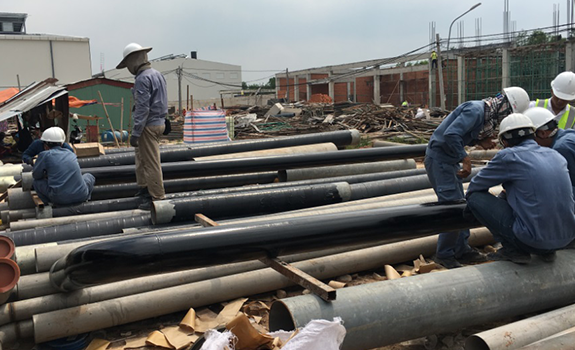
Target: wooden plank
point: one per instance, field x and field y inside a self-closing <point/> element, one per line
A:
<point x="296" y="275"/>
<point x="205" y="221"/>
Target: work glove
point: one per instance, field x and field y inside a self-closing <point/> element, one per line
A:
<point x="134" y="141"/>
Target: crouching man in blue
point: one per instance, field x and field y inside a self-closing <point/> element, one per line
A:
<point x="57" y="175"/>
<point x="536" y="217"/>
<point x="473" y="122"/>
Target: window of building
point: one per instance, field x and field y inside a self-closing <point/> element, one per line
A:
<point x="219" y="75"/>
<point x="233" y="75"/>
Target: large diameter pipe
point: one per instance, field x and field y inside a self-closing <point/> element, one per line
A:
<point x="29" y="224"/>
<point x="7" y="247"/>
<point x="440" y="302"/>
<point x="250" y="165"/>
<point x="147" y="254"/>
<point x="9" y="275"/>
<point x="77" y="230"/>
<point x="10" y="333"/>
<point x="24" y="309"/>
<point x="517" y="334"/>
<point x="249" y="203"/>
<point x="184" y="153"/>
<point x="18" y="199"/>
<point x="109" y="313"/>
<point x="347" y="169"/>
<point x="101" y="192"/>
<point x="562" y="341"/>
<point x="10" y="170"/>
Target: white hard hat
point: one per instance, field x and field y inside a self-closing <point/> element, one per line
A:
<point x="518" y="98"/>
<point x="515" y="121"/>
<point x="539" y="116"/>
<point x="53" y="134"/>
<point x="564" y="86"/>
<point x="130" y="49"/>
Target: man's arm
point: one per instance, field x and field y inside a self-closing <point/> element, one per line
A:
<point x="40" y="168"/>
<point x="467" y="120"/>
<point x="34" y="149"/>
<point x="142" y="97"/>
<point x="495" y="173"/>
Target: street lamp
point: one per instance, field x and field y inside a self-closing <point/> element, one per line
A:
<point x="463" y="14"/>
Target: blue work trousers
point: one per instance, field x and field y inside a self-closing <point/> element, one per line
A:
<point x="496" y="214"/>
<point x="448" y="187"/>
<point x="46" y="194"/>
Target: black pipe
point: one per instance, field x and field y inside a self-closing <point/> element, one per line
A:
<point x="188" y="152"/>
<point x="141" y="255"/>
<point x="269" y="201"/>
<point x="80" y="230"/>
<point x="250" y="165"/>
<point x="181" y="185"/>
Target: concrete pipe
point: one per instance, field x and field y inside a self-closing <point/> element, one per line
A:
<point x="440" y="302"/>
<point x="24" y="309"/>
<point x="7" y="247"/>
<point x="347" y="169"/>
<point x="561" y="341"/>
<point x="28" y="224"/>
<point x="147" y="254"/>
<point x="25" y="257"/>
<point x="524" y="332"/>
<point x="18" y="199"/>
<point x="306" y="149"/>
<point x="93" y="316"/>
<point x="27" y="181"/>
<point x="9" y="275"/>
<point x="249" y="203"/>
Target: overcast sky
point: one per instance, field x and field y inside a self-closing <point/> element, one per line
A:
<point x="265" y="36"/>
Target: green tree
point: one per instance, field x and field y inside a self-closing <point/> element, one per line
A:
<point x="244" y="85"/>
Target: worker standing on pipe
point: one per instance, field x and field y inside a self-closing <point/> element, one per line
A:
<point x="151" y="107"/>
<point x="57" y="175"/>
<point x="549" y="135"/>
<point x="562" y="91"/>
<point x="473" y="122"/>
<point x="536" y="217"/>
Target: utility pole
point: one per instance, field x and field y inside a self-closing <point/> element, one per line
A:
<point x="287" y="85"/>
<point x="179" y="73"/>
<point x="440" y="72"/>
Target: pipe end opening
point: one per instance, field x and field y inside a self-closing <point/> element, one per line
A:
<point x="9" y="274"/>
<point x="475" y="342"/>
<point x="280" y="318"/>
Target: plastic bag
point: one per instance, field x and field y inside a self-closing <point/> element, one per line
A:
<point x="317" y="334"/>
<point x="218" y="341"/>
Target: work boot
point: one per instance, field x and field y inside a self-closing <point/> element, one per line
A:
<point x="472" y="256"/>
<point x="507" y="254"/>
<point x="146" y="204"/>
<point x="448" y="263"/>
<point x="548" y="257"/>
<point x="142" y="192"/>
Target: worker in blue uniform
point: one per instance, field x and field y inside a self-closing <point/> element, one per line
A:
<point x="548" y="134"/>
<point x="57" y="175"/>
<point x="536" y="214"/>
<point x="471" y="123"/>
<point x="37" y="147"/>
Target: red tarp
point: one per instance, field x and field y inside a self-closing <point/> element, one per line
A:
<point x="6" y="94"/>
<point x="77" y="103"/>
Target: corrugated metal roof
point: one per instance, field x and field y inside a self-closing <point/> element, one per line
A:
<point x="33" y="95"/>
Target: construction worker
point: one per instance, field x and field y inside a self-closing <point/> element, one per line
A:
<point x="563" y="91"/>
<point x="57" y="175"/>
<point x="471" y="123"/>
<point x="433" y="59"/>
<point x="37" y="146"/>
<point x="547" y="134"/>
<point x="151" y="108"/>
<point x="536" y="216"/>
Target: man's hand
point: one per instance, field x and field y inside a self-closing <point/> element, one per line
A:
<point x="465" y="168"/>
<point x="134" y="141"/>
<point x="487" y="143"/>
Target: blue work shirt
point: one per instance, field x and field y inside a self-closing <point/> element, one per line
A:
<point x="564" y="143"/>
<point x="36" y="148"/>
<point x="459" y="129"/>
<point x="538" y="190"/>
<point x="60" y="168"/>
<point x="151" y="98"/>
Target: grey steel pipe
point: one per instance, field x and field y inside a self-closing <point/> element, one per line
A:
<point x="482" y="154"/>
<point x="18" y="199"/>
<point x="305" y="149"/>
<point x="11" y="170"/>
<point x="562" y="341"/>
<point x="347" y="169"/>
<point x="15" y="215"/>
<point x="524" y="332"/>
<point x="249" y="203"/>
<point x="187" y="152"/>
<point x="25" y="257"/>
<point x="31" y="286"/>
<point x="453" y="300"/>
<point x="250" y="165"/>
<point x="64" y="220"/>
<point x="108" y="313"/>
<point x="10" y="333"/>
<point x="77" y="230"/>
<point x="24" y="309"/>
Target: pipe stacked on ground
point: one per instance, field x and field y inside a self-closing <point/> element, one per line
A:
<point x="388" y="312"/>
